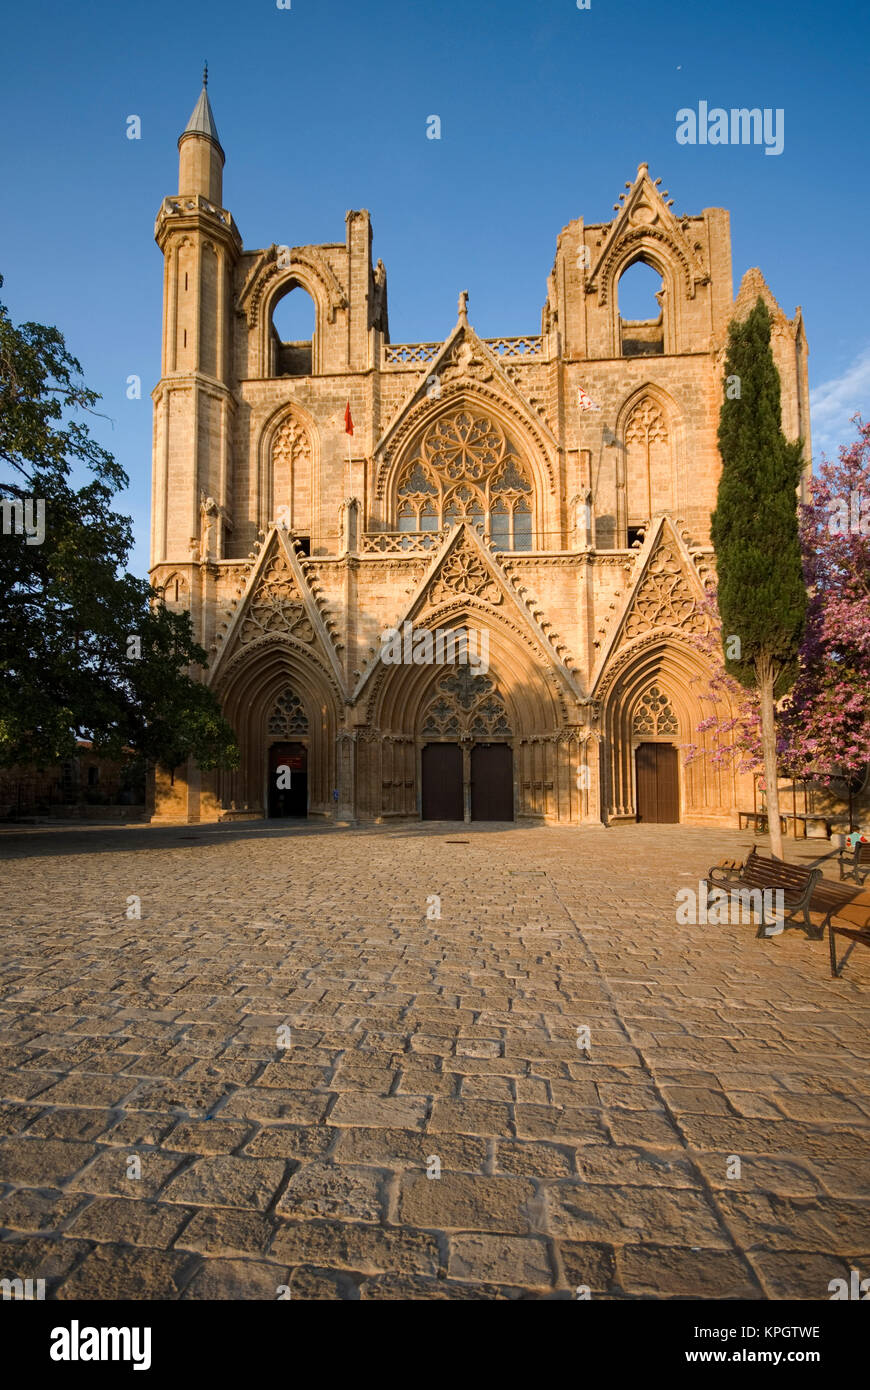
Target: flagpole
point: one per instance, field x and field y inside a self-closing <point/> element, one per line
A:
<point x="348" y="429"/>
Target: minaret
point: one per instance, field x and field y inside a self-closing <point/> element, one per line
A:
<point x="201" y="158"/>
<point x="194" y="401"/>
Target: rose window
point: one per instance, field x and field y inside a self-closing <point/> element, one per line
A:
<point x="464" y="469"/>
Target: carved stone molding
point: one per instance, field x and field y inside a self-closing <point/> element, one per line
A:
<point x="267" y="643"/>
<point x="628" y="654"/>
<point x="464" y="364"/>
<point x="603" y="276"/>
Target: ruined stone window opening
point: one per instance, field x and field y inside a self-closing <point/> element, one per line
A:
<point x="640" y="299"/>
<point x="293" y="329"/>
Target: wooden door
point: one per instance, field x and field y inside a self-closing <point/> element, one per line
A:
<point x="658" y="784"/>
<point x="492" y="782"/>
<point x="289" y="800"/>
<point x="442" y="782"/>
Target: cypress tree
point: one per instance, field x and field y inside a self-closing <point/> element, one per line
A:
<point x="762" y="597"/>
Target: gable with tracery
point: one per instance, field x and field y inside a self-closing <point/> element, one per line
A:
<point x="664" y="598"/>
<point x="276" y="606"/>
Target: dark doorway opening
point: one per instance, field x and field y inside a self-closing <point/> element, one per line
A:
<point x="658" y="784"/>
<point x="492" y="782"/>
<point x="442" y="782"/>
<point x="288" y="763"/>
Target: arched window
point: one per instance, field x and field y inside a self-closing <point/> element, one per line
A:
<point x="640" y="300"/>
<point x="290" y="499"/>
<point x="418" y="505"/>
<point x="648" y="464"/>
<point x="465" y="469"/>
<point x="173" y="591"/>
<point x="293" y="328"/>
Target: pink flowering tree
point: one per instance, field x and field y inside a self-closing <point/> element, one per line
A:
<point x="734" y="721"/>
<point x="826" y="719"/>
<point x="823" y="725"/>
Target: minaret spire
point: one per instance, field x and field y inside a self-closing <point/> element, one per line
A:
<point x="201" y="157"/>
<point x="202" y="121"/>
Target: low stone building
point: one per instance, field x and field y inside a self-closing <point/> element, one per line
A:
<point x="85" y="785"/>
<point x="546" y="498"/>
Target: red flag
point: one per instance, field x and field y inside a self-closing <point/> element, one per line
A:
<point x="348" y="420"/>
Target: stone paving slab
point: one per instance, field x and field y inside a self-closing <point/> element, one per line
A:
<point x="286" y="1073"/>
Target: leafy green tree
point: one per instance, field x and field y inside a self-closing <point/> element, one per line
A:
<point x="86" y="650"/>
<point x="761" y="595"/>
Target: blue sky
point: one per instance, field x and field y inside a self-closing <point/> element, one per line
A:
<point x="546" y="111"/>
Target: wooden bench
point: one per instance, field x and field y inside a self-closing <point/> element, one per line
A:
<point x="859" y="860"/>
<point x="850" y="906"/>
<point x="772" y="875"/>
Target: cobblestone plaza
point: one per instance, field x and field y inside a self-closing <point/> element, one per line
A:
<point x="159" y="1141"/>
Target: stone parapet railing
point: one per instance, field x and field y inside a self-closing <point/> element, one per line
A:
<point x="526" y="349"/>
<point x="407" y="354"/>
<point x="401" y="542"/>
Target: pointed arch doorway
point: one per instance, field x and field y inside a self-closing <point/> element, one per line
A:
<point x="657" y="773"/>
<point x="467" y="769"/>
<point x="287" y="773"/>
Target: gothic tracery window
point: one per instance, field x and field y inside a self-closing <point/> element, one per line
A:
<point x="655" y="714"/>
<point x="290" y="499"/>
<point x="288" y="716"/>
<point x="466" y="705"/>
<point x="648" y="479"/>
<point x="464" y="469"/>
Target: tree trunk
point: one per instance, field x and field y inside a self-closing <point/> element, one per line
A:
<point x="768" y="748"/>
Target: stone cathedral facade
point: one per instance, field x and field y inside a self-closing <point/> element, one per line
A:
<point x="552" y="492"/>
